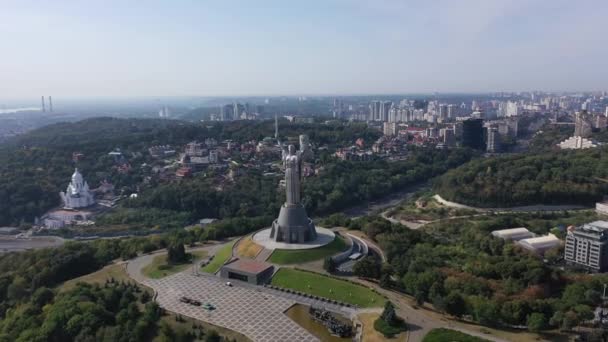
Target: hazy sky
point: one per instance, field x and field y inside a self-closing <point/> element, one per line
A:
<point x="206" y="48"/>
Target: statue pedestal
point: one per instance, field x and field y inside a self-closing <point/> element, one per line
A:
<point x="293" y="225"/>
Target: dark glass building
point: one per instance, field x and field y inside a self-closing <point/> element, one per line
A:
<point x="473" y="134"/>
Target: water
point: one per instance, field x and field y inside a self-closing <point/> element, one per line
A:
<point x="16" y="110"/>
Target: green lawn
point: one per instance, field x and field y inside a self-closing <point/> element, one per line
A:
<point x="220" y="258"/>
<point x="159" y="267"/>
<point x="442" y="335"/>
<point x="328" y="287"/>
<point x="287" y="256"/>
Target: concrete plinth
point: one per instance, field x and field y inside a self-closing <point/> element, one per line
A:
<point x="293" y="225"/>
<point x="324" y="236"/>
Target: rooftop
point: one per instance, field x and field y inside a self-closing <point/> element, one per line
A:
<point x="249" y="266"/>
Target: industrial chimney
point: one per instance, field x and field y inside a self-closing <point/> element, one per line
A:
<point x="43" y="107"/>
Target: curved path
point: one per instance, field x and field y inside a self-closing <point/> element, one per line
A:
<point x="520" y="209"/>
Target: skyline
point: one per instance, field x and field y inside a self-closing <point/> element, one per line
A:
<point x="119" y="49"/>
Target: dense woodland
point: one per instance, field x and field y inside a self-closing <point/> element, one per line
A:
<point x="35" y="166"/>
<point x="553" y="177"/>
<point x="463" y="271"/>
<point x="551" y="135"/>
<point x="341" y="184"/>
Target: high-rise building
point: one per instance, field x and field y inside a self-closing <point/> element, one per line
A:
<point x="512" y="109"/>
<point x="389" y="128"/>
<point x="374" y="111"/>
<point x="582" y="126"/>
<point x="238" y="111"/>
<point x="472" y="134"/>
<point x="587" y="246"/>
<point x="443" y="112"/>
<point x="493" y="144"/>
<point x="452" y="111"/>
<point x="448" y="136"/>
<point x="226" y="112"/>
<point x="385" y="107"/>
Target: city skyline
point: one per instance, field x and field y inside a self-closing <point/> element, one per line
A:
<point x="121" y="49"/>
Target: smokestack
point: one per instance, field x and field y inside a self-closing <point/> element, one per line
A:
<point x="43" y="107"/>
<point x="50" y="104"/>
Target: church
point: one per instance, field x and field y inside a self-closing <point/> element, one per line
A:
<point x="78" y="194"/>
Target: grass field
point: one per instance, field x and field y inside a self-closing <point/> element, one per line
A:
<point x="372" y="335"/>
<point x="115" y="271"/>
<point x="287" y="256"/>
<point x="220" y="258"/>
<point x="247" y="248"/>
<point x="328" y="287"/>
<point x="442" y="335"/>
<point x="159" y="267"/>
<point x="187" y="324"/>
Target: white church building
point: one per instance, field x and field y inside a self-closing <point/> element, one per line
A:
<point x="78" y="194"/>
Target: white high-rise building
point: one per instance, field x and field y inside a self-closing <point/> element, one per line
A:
<point x="78" y="194"/>
<point x="452" y="111"/>
<point x="512" y="109"/>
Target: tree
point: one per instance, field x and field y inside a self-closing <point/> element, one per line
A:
<point x="329" y="264"/>
<point x="388" y="314"/>
<point x="385" y="281"/>
<point x="368" y="267"/>
<point x="42" y="296"/>
<point x="213" y="336"/>
<point x="176" y="253"/>
<point x="455" y="304"/>
<point x="537" y="322"/>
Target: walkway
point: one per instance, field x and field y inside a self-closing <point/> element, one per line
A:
<point x="420" y="323"/>
<point x="255" y="314"/>
<point x="264" y="254"/>
<point x="524" y="209"/>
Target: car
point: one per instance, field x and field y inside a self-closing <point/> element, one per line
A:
<point x="185" y="300"/>
<point x="229" y="284"/>
<point x="195" y="302"/>
<point x="208" y="306"/>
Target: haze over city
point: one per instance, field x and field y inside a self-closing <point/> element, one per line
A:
<point x="237" y="48"/>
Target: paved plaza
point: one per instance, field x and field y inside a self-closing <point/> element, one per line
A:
<point x="324" y="236"/>
<point x="251" y="311"/>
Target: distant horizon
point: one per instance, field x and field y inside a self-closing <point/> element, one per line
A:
<point x="4" y="101"/>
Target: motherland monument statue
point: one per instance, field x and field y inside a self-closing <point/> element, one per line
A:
<point x="293" y="224"/>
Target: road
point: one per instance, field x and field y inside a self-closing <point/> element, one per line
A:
<point x="419" y="322"/>
<point x="12" y="244"/>
<point x="521" y="209"/>
<point x="390" y="200"/>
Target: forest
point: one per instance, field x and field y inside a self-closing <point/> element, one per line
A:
<point x="339" y="185"/>
<point x="553" y="177"/>
<point x="459" y="268"/>
<point x="36" y="166"/>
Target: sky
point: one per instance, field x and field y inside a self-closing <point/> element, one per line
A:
<point x="90" y="48"/>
